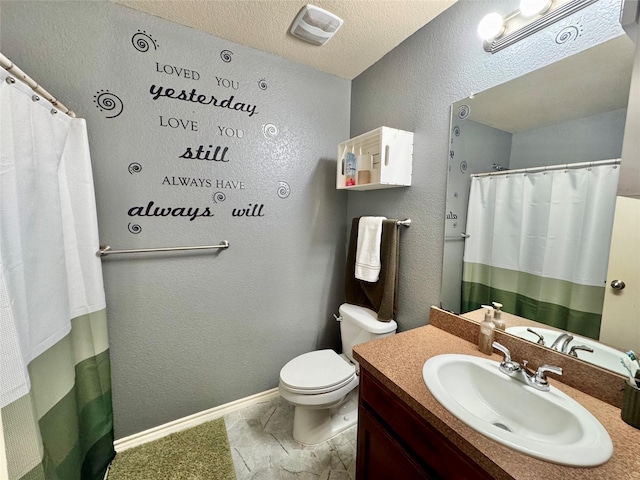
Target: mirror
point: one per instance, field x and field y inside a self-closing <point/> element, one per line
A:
<point x="568" y="113"/>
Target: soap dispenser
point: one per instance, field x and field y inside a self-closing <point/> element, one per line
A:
<point x="497" y="316"/>
<point x="487" y="328"/>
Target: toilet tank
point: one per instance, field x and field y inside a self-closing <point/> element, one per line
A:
<point x="361" y="325"/>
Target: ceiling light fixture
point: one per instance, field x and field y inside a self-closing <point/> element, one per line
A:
<point x="531" y="8"/>
<point x="491" y="26"/>
<point x="533" y="16"/>
<point x="315" y="25"/>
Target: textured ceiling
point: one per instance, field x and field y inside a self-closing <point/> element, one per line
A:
<point x="371" y="28"/>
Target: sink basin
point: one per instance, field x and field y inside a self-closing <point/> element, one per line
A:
<point x="602" y="356"/>
<point x="550" y="425"/>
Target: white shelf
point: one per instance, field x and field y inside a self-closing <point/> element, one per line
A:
<point x="386" y="153"/>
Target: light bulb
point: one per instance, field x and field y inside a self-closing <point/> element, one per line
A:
<point x="531" y="8"/>
<point x="491" y="26"/>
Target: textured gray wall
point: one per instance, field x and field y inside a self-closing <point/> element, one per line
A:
<point x="597" y="137"/>
<point x="413" y="87"/>
<point x="192" y="331"/>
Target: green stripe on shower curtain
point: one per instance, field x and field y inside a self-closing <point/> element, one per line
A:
<point x="71" y="410"/>
<point x="559" y="303"/>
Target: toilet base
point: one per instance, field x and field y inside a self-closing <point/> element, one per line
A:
<point x="313" y="426"/>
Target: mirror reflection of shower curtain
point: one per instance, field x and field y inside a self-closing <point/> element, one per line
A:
<point x="539" y="244"/>
<point x="55" y="383"/>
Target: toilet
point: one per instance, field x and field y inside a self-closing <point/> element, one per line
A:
<point x="323" y="386"/>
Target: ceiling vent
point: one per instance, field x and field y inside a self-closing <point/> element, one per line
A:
<point x="315" y="25"/>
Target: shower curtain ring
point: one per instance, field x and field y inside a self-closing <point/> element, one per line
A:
<point x="10" y="80"/>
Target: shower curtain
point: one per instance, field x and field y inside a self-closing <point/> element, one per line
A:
<point x="55" y="385"/>
<point x="539" y="244"/>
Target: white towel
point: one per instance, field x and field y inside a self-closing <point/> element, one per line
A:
<point x="368" y="248"/>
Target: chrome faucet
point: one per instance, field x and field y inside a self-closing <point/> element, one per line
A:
<point x="561" y="344"/>
<point x="537" y="380"/>
<point x="584" y="348"/>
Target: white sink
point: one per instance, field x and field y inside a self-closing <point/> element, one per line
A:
<point x="602" y="356"/>
<point x="549" y="425"/>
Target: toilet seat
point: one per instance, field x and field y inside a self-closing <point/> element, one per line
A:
<point x="317" y="372"/>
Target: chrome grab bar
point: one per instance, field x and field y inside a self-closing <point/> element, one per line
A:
<point x="106" y="249"/>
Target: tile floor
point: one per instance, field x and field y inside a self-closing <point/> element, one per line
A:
<point x="263" y="447"/>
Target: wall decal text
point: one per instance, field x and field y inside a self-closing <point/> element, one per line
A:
<point x="180" y="181"/>
<point x="230" y="184"/>
<point x="200" y="154"/>
<point x="231" y="132"/>
<point x="177" y="71"/>
<point x="226" y="83"/>
<point x="251" y="211"/>
<point x="187" y="182"/>
<point x="188" y="212"/>
<point x="193" y="96"/>
<point x="173" y="122"/>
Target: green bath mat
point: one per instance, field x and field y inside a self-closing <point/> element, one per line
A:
<point x="199" y="453"/>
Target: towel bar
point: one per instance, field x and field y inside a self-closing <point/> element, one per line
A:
<point x="405" y="223"/>
<point x="106" y="249"/>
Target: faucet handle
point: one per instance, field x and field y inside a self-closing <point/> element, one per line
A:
<point x="540" y="340"/>
<point x="541" y="374"/>
<point x="503" y="349"/>
<point x="507" y="366"/>
<point x="573" y="353"/>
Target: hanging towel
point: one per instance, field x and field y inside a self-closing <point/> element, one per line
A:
<point x="368" y="248"/>
<point x="378" y="296"/>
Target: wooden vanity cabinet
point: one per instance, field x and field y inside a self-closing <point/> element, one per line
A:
<point x="394" y="442"/>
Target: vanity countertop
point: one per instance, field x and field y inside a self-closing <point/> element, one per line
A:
<point x="397" y="362"/>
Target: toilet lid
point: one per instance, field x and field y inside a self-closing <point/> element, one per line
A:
<point x="318" y="370"/>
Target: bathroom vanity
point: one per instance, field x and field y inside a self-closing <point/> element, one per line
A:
<point x="404" y="432"/>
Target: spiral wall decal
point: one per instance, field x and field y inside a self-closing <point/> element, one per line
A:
<point x="134" y="228"/>
<point x="269" y="130"/>
<point x="571" y="32"/>
<point x="463" y="111"/>
<point x="456" y="131"/>
<point x="284" y="190"/>
<point x="110" y="102"/>
<point x="226" y="55"/>
<point x="262" y="83"/>
<point x="463" y="166"/>
<point x="142" y="41"/>
<point x="135" y="168"/>
<point x="218" y="197"/>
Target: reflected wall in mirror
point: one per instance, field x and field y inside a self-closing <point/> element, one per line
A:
<point x="563" y="117"/>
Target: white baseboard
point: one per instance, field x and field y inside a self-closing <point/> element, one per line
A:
<point x="160" y="431"/>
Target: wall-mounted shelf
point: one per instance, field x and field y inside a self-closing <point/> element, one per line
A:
<point x="383" y="159"/>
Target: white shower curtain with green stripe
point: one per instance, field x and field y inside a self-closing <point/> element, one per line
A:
<point x="539" y="244"/>
<point x="55" y="384"/>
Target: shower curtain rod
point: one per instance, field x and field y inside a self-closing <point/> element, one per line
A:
<point x="564" y="166"/>
<point x="9" y="66"/>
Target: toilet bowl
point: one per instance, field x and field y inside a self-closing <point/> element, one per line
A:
<point x="322" y="385"/>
